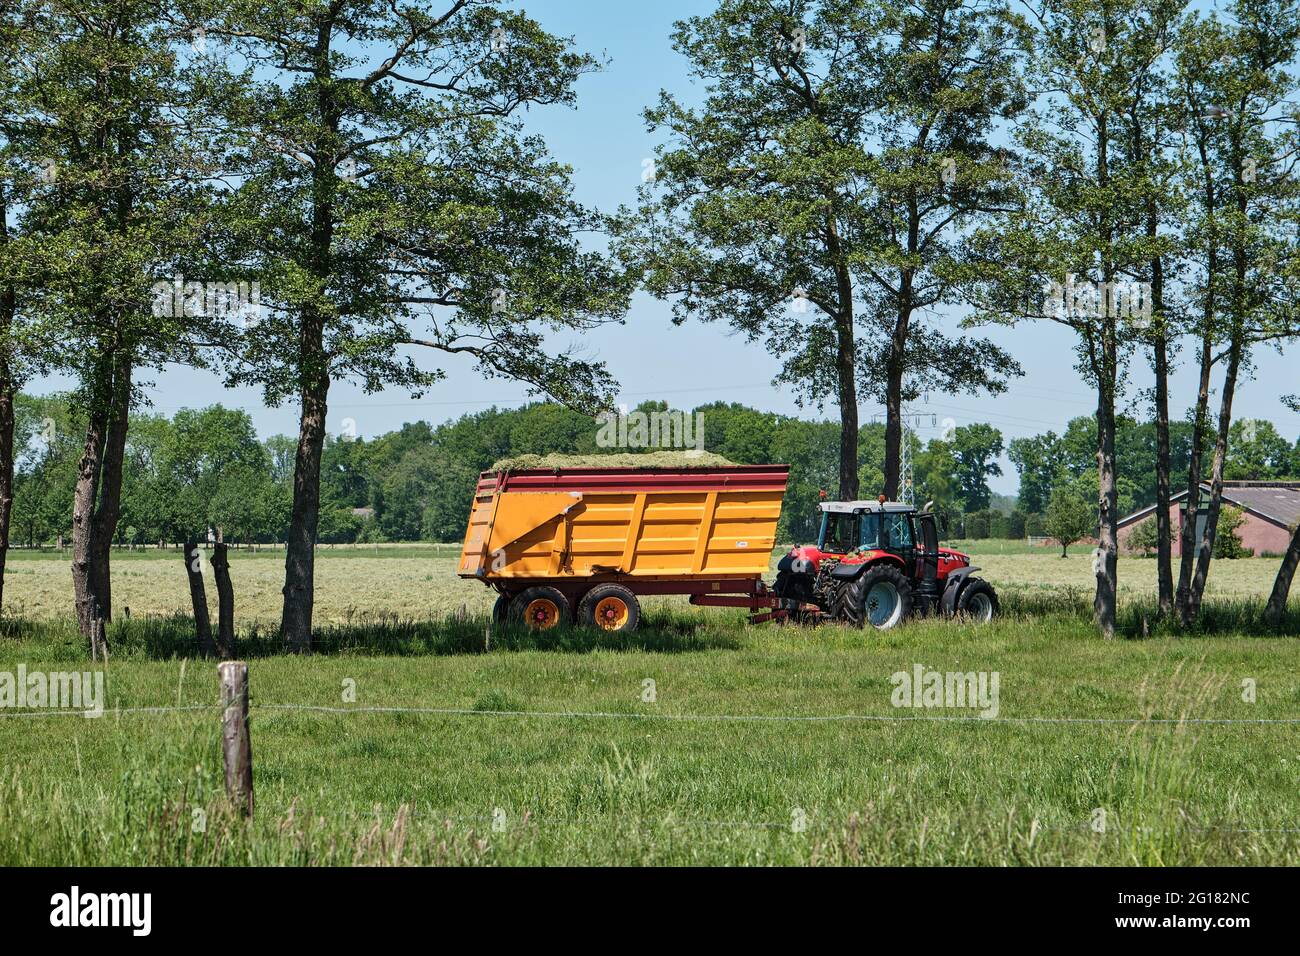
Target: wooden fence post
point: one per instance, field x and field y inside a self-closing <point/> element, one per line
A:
<point x="225" y="601"/>
<point x="198" y="597"/>
<point x="236" y="745"/>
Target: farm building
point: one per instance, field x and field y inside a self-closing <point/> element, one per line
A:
<point x="1271" y="509"/>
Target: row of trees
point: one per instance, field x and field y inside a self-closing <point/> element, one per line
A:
<point x="852" y="169"/>
<point x="288" y="193"/>
<point x="1123" y="168"/>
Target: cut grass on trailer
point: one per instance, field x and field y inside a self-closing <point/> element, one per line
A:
<point x="547" y="749"/>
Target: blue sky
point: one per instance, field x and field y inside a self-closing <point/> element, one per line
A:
<point x="605" y="142"/>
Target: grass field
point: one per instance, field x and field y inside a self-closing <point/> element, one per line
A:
<point x="546" y="750"/>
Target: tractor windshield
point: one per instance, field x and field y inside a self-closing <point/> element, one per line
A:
<point x="843" y="532"/>
<point x="838" y="532"/>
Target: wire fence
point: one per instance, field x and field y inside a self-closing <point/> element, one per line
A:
<point x="674" y="717"/>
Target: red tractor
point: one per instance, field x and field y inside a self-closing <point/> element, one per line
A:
<point x="875" y="563"/>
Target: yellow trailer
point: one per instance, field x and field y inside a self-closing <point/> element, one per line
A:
<point x="567" y="544"/>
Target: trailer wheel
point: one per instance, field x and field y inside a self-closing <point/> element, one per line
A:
<point x="501" y="610"/>
<point x="881" y="597"/>
<point x="978" y="601"/>
<point x="610" y="607"/>
<point x="540" y="608"/>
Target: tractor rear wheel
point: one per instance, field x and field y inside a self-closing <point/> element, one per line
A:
<point x="540" y="608"/>
<point x="610" y="607"/>
<point x="881" y="597"/>
<point x="978" y="601"/>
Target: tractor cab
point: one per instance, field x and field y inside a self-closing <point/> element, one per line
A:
<point x="849" y="526"/>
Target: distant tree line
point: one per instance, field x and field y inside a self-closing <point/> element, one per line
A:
<point x="204" y="472"/>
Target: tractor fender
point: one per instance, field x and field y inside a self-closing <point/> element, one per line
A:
<point x="953" y="584"/>
<point x="845" y="571"/>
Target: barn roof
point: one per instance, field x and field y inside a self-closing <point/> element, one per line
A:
<point x="1274" y="501"/>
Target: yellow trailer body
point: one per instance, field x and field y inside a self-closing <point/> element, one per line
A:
<point x="627" y="524"/>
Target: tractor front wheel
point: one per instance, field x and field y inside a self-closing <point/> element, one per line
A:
<point x="978" y="601"/>
<point x="540" y="608"/>
<point x="880" y="598"/>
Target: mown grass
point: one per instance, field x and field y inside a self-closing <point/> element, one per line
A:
<point x="419" y="581"/>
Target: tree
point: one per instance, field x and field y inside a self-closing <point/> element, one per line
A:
<point x="1236" y="82"/>
<point x="934" y="473"/>
<point x="1257" y="452"/>
<point x="1227" y="543"/>
<point x="1039" y="460"/>
<point x="216" y="466"/>
<point x="1148" y="127"/>
<point x="976" y="449"/>
<point x="1068" y="518"/>
<point x="737" y="433"/>
<point x="390" y="201"/>
<point x="813" y="200"/>
<point x="1066" y="253"/>
<point x="812" y="449"/>
<point x="20" y="354"/>
<point x="8" y="380"/>
<point x="1145" y="536"/>
<point x="93" y="117"/>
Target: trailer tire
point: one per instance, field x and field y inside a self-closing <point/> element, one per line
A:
<point x="540" y="608"/>
<point x="501" y="610"/>
<point x="978" y="601"/>
<point x="610" y="607"/>
<point x="880" y="597"/>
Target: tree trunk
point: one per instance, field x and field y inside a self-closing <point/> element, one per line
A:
<point x="1195" y="466"/>
<point x="1106" y="370"/>
<point x="83" y="518"/>
<point x="198" y="598"/>
<point x="225" y="602"/>
<point x="1236" y="349"/>
<point x="846" y="366"/>
<point x="300" y="556"/>
<point x="1282" y="583"/>
<point x="896" y="362"/>
<point x="1160" y="364"/>
<point x="8" y="306"/>
<point x="6" y="467"/>
<point x="1205" y="551"/>
<point x="1195" y="473"/>
<point x="1104" y="609"/>
<point x="894" y="419"/>
<point x="109" y="507"/>
<point x="846" y="370"/>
